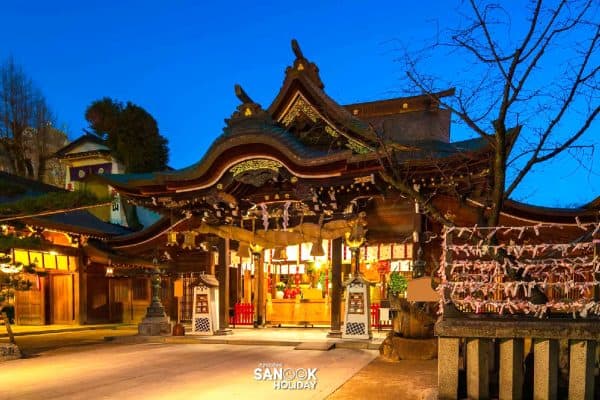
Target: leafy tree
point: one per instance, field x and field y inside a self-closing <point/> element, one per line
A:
<point x="529" y="78"/>
<point x="27" y="136"/>
<point x="131" y="133"/>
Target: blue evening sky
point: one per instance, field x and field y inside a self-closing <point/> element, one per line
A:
<point x="179" y="60"/>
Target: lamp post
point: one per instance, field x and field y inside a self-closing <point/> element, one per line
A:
<point x="419" y="265"/>
<point x="156" y="308"/>
<point x="259" y="274"/>
<point x="156" y="322"/>
<point x="354" y="242"/>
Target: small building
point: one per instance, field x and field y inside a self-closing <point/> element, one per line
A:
<point x="53" y="246"/>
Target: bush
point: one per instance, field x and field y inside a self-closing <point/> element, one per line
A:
<point x="397" y="283"/>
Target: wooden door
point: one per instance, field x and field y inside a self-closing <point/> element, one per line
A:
<point x="120" y="300"/>
<point x="61" y="299"/>
<point x="97" y="299"/>
<point x="29" y="305"/>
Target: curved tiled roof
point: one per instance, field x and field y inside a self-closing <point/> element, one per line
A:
<point x="241" y="132"/>
<point x="306" y="74"/>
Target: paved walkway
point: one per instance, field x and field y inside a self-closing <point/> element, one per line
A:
<point x="186" y="371"/>
<point x="266" y="336"/>
<point x="379" y="379"/>
<point x="23" y="330"/>
<point x="388" y="380"/>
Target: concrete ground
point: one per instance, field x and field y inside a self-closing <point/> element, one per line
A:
<point x="34" y="343"/>
<point x="174" y="371"/>
<point x="86" y="354"/>
<point x="386" y="380"/>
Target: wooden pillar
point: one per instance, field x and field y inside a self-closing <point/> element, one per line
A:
<point x="247" y="287"/>
<point x="545" y="359"/>
<point x="82" y="294"/>
<point x="223" y="277"/>
<point x="259" y="276"/>
<point x="511" y="369"/>
<point x="581" y="369"/>
<point x="234" y="285"/>
<point x="448" y="349"/>
<point x="478" y="370"/>
<point x="336" y="288"/>
<point x="211" y="262"/>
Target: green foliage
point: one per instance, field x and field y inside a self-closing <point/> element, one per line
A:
<point x="49" y="202"/>
<point x="9" y="282"/>
<point x="397" y="284"/>
<point x="11" y="241"/>
<point x="131" y="133"/>
<point x="11" y="189"/>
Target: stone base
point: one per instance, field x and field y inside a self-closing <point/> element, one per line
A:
<point x="224" y="332"/>
<point x="399" y="348"/>
<point x="155" y="326"/>
<point x="334" y="334"/>
<point x="9" y="351"/>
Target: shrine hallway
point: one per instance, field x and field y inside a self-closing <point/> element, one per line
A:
<point x="175" y="371"/>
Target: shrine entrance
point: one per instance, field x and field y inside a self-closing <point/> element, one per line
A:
<point x="298" y="281"/>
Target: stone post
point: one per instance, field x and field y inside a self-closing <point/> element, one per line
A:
<point x="581" y="369"/>
<point x="545" y="379"/>
<point x="223" y="278"/>
<point x="448" y="349"/>
<point x="336" y="288"/>
<point x="511" y="369"/>
<point x="478" y="370"/>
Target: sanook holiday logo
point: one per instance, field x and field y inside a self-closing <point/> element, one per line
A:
<point x="284" y="378"/>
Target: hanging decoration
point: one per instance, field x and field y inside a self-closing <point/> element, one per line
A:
<point x="525" y="272"/>
<point x="172" y="238"/>
<point x="189" y="240"/>
<point x="286" y="215"/>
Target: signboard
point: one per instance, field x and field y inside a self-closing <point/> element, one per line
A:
<point x="357" y="303"/>
<point x="201" y="303"/>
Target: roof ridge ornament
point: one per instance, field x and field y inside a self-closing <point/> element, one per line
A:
<point x="304" y="66"/>
<point x="242" y="95"/>
<point x="247" y="114"/>
<point x="296" y="49"/>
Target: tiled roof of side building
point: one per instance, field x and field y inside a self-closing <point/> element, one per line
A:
<point x="82" y="139"/>
<point x="23" y="187"/>
<point x="397" y="105"/>
<point x="80" y="221"/>
<point x="435" y="149"/>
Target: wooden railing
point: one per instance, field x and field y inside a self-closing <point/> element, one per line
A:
<point x="243" y="314"/>
<point x="376" y="321"/>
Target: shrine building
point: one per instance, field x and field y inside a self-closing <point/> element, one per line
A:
<point x="292" y="199"/>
